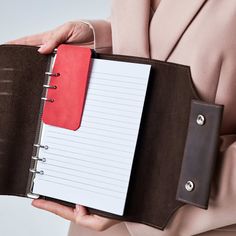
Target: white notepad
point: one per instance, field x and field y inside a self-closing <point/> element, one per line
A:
<point x="92" y="166"/>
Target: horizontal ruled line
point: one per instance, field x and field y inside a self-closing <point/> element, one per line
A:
<point x="91" y="173"/>
<point x="90" y="133"/>
<point x="84" y="166"/>
<point x="83" y="143"/>
<point x="114" y="108"/>
<point x="110" y="130"/>
<point x="108" y="96"/>
<point x="71" y="186"/>
<point x="76" y="153"/>
<point x="114" y="91"/>
<point x="74" y="158"/>
<point x="89" y="162"/>
<point x="67" y="151"/>
<point x="107" y="119"/>
<point x="102" y="127"/>
<point x="82" y="183"/>
<point x="113" y="86"/>
<point x="79" y="176"/>
<point x="119" y="81"/>
<point x="118" y="75"/>
<point x="114" y="103"/>
<point x="81" y="137"/>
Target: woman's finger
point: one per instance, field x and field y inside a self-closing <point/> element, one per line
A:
<point x="79" y="215"/>
<point x="98" y="223"/>
<point x="71" y="32"/>
<point x="55" y="208"/>
<point x="33" y="40"/>
<point x="49" y="46"/>
<point x="56" y="39"/>
<point x="58" y="36"/>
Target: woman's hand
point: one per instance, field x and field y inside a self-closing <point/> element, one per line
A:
<point x="79" y="215"/>
<point x="71" y="32"/>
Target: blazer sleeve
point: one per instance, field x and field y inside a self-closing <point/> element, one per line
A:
<point x="102" y="35"/>
<point x="226" y="90"/>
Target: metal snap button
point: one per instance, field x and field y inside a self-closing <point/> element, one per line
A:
<point x="189" y="186"/>
<point x="201" y="120"/>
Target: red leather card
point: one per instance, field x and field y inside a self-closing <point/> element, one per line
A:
<point x="68" y="89"/>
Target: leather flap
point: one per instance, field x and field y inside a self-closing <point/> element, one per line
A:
<point x="200" y="153"/>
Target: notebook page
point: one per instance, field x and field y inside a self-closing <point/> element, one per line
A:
<point x="92" y="166"/>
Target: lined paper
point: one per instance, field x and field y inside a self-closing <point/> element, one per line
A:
<point x="92" y="166"/>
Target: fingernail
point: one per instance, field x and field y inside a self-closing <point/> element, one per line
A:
<point x="41" y="48"/>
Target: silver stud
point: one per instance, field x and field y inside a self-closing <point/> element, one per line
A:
<point x="189" y="186"/>
<point x="201" y="120"/>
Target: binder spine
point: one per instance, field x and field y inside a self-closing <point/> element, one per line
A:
<point x="35" y="159"/>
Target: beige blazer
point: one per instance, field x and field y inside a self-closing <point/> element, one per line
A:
<point x="201" y="34"/>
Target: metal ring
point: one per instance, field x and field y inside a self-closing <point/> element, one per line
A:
<point x="52" y="74"/>
<point x="40" y="146"/>
<point x="49" y="87"/>
<point x="39" y="159"/>
<point x="36" y="172"/>
<point x="47" y="99"/>
<point x="33" y="196"/>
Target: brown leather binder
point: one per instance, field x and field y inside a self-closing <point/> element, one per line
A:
<point x="177" y="143"/>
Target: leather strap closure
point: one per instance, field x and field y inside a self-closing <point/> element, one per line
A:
<point x="200" y="153"/>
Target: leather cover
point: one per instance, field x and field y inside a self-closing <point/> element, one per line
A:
<point x="161" y="143"/>
<point x="72" y="65"/>
<point x="22" y="74"/>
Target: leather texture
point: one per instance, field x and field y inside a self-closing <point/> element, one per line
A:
<point x="199" y="159"/>
<point x="155" y="174"/>
<point x="21" y="83"/>
<point x="65" y="106"/>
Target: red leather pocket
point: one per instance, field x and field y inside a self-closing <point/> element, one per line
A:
<point x="68" y="87"/>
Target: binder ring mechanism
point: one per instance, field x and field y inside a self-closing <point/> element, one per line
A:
<point x="36" y="159"/>
<point x="39" y="159"/>
<point x="40" y="172"/>
<point x="41" y="146"/>
<point x="46" y="86"/>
